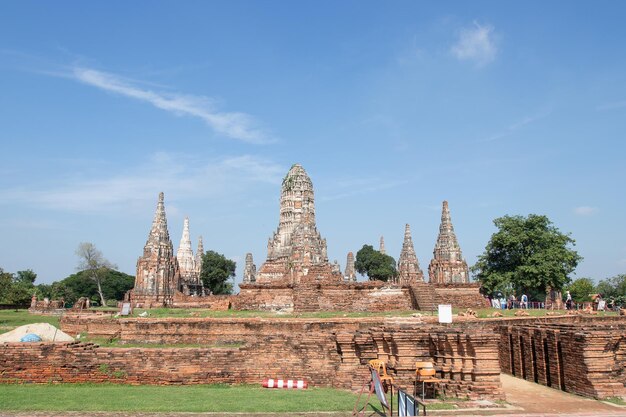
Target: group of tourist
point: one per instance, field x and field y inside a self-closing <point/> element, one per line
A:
<point x="510" y="303"/>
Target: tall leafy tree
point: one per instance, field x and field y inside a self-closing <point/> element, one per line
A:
<point x="613" y="288"/>
<point x="526" y="254"/>
<point x="376" y="265"/>
<point x="26" y="277"/>
<point x="581" y="289"/>
<point x="94" y="264"/>
<point x="16" y="288"/>
<point x="216" y="272"/>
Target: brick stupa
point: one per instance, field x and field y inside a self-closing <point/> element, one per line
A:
<point x="188" y="263"/>
<point x="409" y="270"/>
<point x="447" y="265"/>
<point x="296" y="251"/>
<point x="350" y="274"/>
<point x="158" y="273"/>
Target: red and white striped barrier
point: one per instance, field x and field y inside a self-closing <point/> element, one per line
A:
<point x="285" y="383"/>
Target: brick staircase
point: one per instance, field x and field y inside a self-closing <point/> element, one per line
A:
<point x="305" y="299"/>
<point x="424" y="296"/>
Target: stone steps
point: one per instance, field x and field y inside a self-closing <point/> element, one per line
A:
<point x="425" y="296"/>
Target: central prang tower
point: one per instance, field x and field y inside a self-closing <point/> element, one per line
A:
<point x="296" y="249"/>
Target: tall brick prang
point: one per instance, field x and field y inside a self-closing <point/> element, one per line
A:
<point x="249" y="272"/>
<point x="296" y="251"/>
<point x="350" y="274"/>
<point x="447" y="265"/>
<point x="409" y="270"/>
<point x="158" y="273"/>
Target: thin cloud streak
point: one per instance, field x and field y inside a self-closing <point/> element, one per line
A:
<point x="177" y="174"/>
<point x="476" y="44"/>
<point x="512" y="128"/>
<point x="585" y="210"/>
<point x="235" y="125"/>
<point x="359" y="187"/>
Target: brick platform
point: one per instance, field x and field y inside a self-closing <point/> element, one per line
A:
<point x="324" y="352"/>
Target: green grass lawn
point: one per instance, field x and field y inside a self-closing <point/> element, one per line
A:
<point x="10" y="319"/>
<point x="191" y="398"/>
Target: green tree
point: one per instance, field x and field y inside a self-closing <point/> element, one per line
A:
<point x="16" y="288"/>
<point x="526" y="254"/>
<point x="114" y="285"/>
<point x="6" y="281"/>
<point x="376" y="265"/>
<point x="26" y="277"/>
<point x="94" y="264"/>
<point x="216" y="271"/>
<point x="581" y="289"/>
<point x="613" y="288"/>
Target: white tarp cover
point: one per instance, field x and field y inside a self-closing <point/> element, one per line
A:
<point x="46" y="331"/>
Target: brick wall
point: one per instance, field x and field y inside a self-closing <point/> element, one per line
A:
<point x="583" y="357"/>
<point x="313" y="296"/>
<point x="324" y="352"/>
<point x="460" y="295"/>
<point x="208" y="330"/>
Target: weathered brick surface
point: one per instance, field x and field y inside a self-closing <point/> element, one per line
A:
<point x="208" y="330"/>
<point x="460" y="295"/>
<point x="213" y="302"/>
<point x="355" y="296"/>
<point x="575" y="355"/>
<point x="313" y="296"/>
<point x="325" y="352"/>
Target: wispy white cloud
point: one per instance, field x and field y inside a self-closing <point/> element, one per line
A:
<point x="512" y="128"/>
<point x="476" y="44"/>
<point x="235" y="125"/>
<point x="350" y="187"/>
<point x="176" y="174"/>
<point x="585" y="210"/>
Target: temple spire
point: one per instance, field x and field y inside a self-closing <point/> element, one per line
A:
<point x="199" y="254"/>
<point x="249" y="272"/>
<point x="186" y="260"/>
<point x="157" y="275"/>
<point x="296" y="247"/>
<point x="409" y="270"/>
<point x="447" y="265"/>
<point x="158" y="232"/>
<point x="350" y="274"/>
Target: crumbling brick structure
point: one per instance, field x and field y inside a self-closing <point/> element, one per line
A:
<point x="583" y="356"/>
<point x="325" y="352"/>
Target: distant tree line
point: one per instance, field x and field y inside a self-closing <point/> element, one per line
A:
<point x="611" y="289"/>
<point x="18" y="288"/>
<point x="98" y="280"/>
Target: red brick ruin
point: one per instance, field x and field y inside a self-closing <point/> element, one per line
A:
<point x="582" y="355"/>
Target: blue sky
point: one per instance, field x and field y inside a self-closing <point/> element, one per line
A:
<point x="391" y="107"/>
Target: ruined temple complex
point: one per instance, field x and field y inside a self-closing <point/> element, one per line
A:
<point x="162" y="276"/>
<point x="296" y="275"/>
<point x="447" y="265"/>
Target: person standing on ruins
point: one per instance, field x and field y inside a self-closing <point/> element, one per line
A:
<point x="524" y="301"/>
<point x="568" y="301"/>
